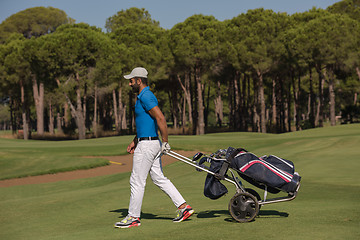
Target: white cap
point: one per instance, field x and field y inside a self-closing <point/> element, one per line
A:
<point x="137" y="72"/>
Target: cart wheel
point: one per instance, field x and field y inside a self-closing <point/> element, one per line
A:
<point x="243" y="207"/>
<point x="255" y="194"/>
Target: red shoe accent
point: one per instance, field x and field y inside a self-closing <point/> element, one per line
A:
<point x="134" y="224"/>
<point x="187" y="215"/>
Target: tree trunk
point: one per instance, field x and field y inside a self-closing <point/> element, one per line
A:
<point x="296" y="94"/>
<point x="231" y="104"/>
<point x="23" y="108"/>
<point x="311" y="104"/>
<point x="38" y="92"/>
<point x="262" y="102"/>
<point x="80" y="111"/>
<point x="244" y="103"/>
<point x="12" y="118"/>
<point x="255" y="107"/>
<point x="332" y="102"/>
<point x="206" y="117"/>
<point x="122" y="111"/>
<point x="66" y="114"/>
<point x="274" y="110"/>
<point x="288" y="106"/>
<point x="58" y="123"/>
<point x="131" y="111"/>
<point x="84" y="108"/>
<point x="51" y="119"/>
<point x="79" y="118"/>
<point x="219" y="105"/>
<point x="236" y="101"/>
<point x="116" y="112"/>
<point x="95" y="118"/>
<point x="331" y="96"/>
<point x="77" y="113"/>
<point x="282" y="102"/>
<point x="183" y="113"/>
<point x="248" y="102"/>
<point x="187" y="94"/>
<point x="319" y="120"/>
<point x="173" y="106"/>
<point x="123" y="118"/>
<point x="200" y="128"/>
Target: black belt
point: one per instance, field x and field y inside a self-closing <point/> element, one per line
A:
<point x="148" y="138"/>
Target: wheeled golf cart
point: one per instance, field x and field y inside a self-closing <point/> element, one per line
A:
<point x="270" y="173"/>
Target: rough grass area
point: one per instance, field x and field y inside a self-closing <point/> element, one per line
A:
<point x="327" y="206"/>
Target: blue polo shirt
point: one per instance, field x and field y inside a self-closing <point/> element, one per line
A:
<point x="146" y="125"/>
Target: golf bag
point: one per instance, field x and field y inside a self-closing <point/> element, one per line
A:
<point x="271" y="173"/>
<point x="213" y="188"/>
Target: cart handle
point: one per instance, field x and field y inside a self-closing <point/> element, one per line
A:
<point x="194" y="164"/>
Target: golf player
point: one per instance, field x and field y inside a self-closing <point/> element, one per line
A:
<point x="146" y="147"/>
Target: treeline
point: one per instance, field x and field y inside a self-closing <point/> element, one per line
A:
<point x="260" y="71"/>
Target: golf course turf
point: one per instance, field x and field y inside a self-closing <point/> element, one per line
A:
<point x="327" y="206"/>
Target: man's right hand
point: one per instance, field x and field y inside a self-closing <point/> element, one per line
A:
<point x="131" y="148"/>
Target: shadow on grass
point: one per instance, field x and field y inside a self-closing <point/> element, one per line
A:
<point x="124" y="213"/>
<point x="206" y="214"/>
<point x="212" y="214"/>
<point x="225" y="213"/>
<point x="272" y="214"/>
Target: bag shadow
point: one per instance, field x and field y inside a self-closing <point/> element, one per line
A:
<point x="228" y="218"/>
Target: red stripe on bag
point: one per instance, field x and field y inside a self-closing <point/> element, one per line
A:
<point x="244" y="168"/>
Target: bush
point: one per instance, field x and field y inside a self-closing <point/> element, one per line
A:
<point x="305" y="124"/>
<point x="350" y="114"/>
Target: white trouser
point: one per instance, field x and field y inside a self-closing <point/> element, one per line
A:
<point x="144" y="162"/>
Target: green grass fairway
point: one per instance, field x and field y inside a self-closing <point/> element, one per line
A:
<point x="327" y="206"/>
<point x="19" y="158"/>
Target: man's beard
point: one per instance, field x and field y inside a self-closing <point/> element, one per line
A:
<point x="135" y="88"/>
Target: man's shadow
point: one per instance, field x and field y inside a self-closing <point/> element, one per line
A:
<point x="207" y="214"/>
<point x="124" y="212"/>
